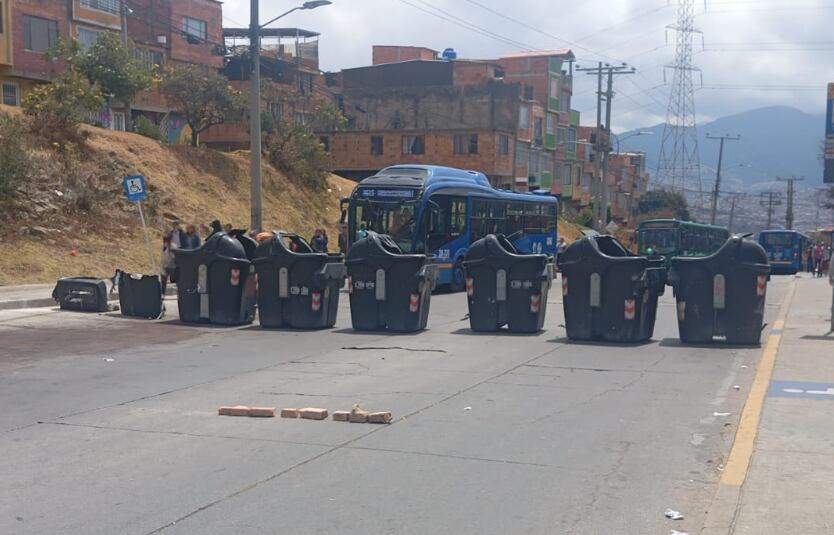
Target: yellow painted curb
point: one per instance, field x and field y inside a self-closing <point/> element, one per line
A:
<point x="735" y="471"/>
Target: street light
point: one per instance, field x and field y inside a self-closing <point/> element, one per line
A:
<point x="631" y="135"/>
<point x="256" y="201"/>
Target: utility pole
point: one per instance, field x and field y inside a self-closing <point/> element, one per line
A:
<point x="769" y="200"/>
<point x="733" y="201"/>
<point x="718" y="172"/>
<point x="125" y="11"/>
<point x="789" y="212"/>
<point x="255" y="200"/>
<point x="601" y="201"/>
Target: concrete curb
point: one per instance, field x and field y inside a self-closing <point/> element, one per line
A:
<point x="42" y="302"/>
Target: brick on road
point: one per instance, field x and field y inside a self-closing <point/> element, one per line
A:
<point x="236" y="410"/>
<point x="311" y="413"/>
<point x="379" y="417"/>
<point x="262" y="412"/>
<point x="289" y="413"/>
<point x="341" y="416"/>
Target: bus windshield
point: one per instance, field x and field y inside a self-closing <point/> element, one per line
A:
<point x="661" y="241"/>
<point x="397" y="220"/>
<point x="780" y="239"/>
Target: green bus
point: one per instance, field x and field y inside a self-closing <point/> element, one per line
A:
<point x="671" y="237"/>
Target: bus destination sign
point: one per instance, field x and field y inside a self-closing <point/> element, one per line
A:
<point x="388" y="193"/>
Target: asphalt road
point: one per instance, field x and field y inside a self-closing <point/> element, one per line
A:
<point x="110" y="427"/>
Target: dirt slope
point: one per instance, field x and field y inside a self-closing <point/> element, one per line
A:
<point x="52" y="239"/>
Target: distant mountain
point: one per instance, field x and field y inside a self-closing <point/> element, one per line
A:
<point x="775" y="141"/>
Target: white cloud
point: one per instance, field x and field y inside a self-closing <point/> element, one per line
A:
<point x="749" y="45"/>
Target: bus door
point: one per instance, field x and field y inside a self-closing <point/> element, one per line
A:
<point x="447" y="227"/>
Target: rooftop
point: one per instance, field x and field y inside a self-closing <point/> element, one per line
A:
<point x="270" y="32"/>
<point x="539" y="53"/>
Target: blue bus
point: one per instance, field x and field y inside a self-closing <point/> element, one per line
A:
<point x="785" y="249"/>
<point x="440" y="211"/>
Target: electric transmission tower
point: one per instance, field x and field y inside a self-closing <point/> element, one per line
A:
<point x="679" y="166"/>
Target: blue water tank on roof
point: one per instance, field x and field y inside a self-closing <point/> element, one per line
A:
<point x="449" y="54"/>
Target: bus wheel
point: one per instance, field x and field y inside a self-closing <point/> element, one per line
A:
<point x="458" y="277"/>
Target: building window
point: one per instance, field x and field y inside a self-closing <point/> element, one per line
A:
<point x="1" y="18"/>
<point x="524" y="117"/>
<point x="195" y="28"/>
<point x="466" y="144"/>
<point x="538" y="134"/>
<point x="376" y="145"/>
<point x="561" y="136"/>
<point x="109" y="6"/>
<point x="414" y="145"/>
<point x="551" y="123"/>
<point x="564" y="100"/>
<point x="572" y="139"/>
<point x="39" y="35"/>
<point x="503" y="144"/>
<point x="522" y="154"/>
<point x="567" y="176"/>
<point x="554" y="88"/>
<point x="86" y="37"/>
<point x="301" y="119"/>
<point x="11" y="94"/>
<point x="325" y="140"/>
<point x="152" y="60"/>
<point x="276" y="109"/>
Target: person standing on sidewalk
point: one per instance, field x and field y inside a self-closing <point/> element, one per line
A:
<point x="169" y="266"/>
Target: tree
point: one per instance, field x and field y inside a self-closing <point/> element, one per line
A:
<point x="659" y="202"/>
<point x="59" y="106"/>
<point x="202" y="95"/>
<point x="292" y="144"/>
<point x="108" y="64"/>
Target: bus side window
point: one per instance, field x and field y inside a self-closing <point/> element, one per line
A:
<point x="497" y="217"/>
<point x="533" y="223"/>
<point x="515" y="218"/>
<point x="479" y="220"/>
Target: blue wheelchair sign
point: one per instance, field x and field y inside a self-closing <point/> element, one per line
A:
<point x="135" y="188"/>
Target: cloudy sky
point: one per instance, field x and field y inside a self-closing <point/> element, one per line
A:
<point x="755" y="53"/>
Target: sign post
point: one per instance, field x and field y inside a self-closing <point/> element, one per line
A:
<point x="137" y="192"/>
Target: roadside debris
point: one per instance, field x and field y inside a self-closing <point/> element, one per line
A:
<point x="243" y="410"/>
<point x="341" y="416"/>
<point x="467" y="408"/>
<point x="736" y="387"/>
<point x="676" y="532"/>
<point x="358" y="415"/>
<point x="108" y="359"/>
<point x="262" y="412"/>
<point x="311" y="413"/>
<point x="721" y="414"/>
<point x="237" y="410"/>
<point x="379" y="417"/>
<point x="674" y="515"/>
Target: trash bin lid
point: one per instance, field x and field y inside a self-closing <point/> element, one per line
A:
<point x="374" y="245"/>
<point x="221" y="244"/>
<point x="284" y="244"/>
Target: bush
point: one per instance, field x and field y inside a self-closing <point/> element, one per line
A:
<point x="586" y="218"/>
<point x="15" y="164"/>
<point x="146" y="127"/>
<point x="301" y="156"/>
<point x="59" y="107"/>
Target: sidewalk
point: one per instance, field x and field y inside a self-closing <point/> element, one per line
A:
<point x="40" y="295"/>
<point x="788" y="484"/>
<point x="26" y="296"/>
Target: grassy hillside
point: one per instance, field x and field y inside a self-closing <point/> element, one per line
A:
<point x="80" y="207"/>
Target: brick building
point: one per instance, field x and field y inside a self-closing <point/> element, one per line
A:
<point x="628" y="180"/>
<point x="289" y="60"/>
<point x="495" y="116"/>
<point x="165" y="31"/>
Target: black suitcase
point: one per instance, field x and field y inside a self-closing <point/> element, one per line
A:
<point x="140" y="295"/>
<point x="81" y="294"/>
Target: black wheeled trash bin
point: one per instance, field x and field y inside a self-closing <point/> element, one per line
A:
<point x="504" y="287"/>
<point x="297" y="288"/>
<point x="388" y="289"/>
<point x="81" y="294"/>
<point x="140" y="296"/>
<point x="722" y="294"/>
<point x="607" y="293"/>
<point x="216" y="282"/>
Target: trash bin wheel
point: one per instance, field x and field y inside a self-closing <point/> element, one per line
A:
<point x="458" y="277"/>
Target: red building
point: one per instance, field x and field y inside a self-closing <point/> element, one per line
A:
<point x="495" y="116"/>
<point x="165" y="32"/>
